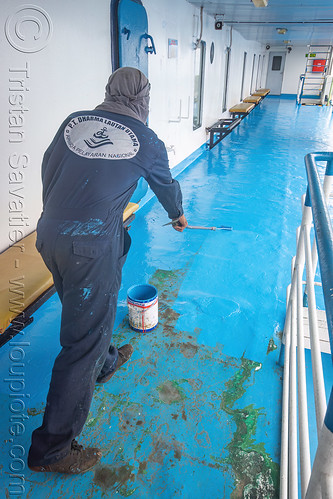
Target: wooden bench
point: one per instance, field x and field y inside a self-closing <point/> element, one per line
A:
<point x="26" y="283"/>
<point x="221" y="129"/>
<point x="262" y="92"/>
<point x="253" y="99"/>
<point x="241" y="110"/>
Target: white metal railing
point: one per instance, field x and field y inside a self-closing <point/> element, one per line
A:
<point x="295" y="446"/>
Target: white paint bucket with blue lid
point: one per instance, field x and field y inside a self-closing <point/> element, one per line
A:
<point x="142" y="301"/>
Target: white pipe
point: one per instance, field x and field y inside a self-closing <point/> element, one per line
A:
<point x="293" y="475"/>
<point x="327" y="186"/>
<point x="292" y="287"/>
<point x="299" y="259"/>
<point x="285" y="413"/>
<point x="288" y="292"/>
<point x="285" y="328"/>
<point x="288" y="478"/>
<point x="321" y="481"/>
<point x="317" y="367"/>
<point x="293" y="260"/>
<point x="303" y="423"/>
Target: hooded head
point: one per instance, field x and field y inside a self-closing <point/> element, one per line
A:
<point x="127" y="92"/>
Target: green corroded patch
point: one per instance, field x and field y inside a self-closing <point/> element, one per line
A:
<point x="271" y="346"/>
<point x="279" y="334"/>
<point x="107" y="404"/>
<point x="171" y="392"/>
<point x="256" y="475"/>
<point x="144" y="435"/>
<point x="35" y="412"/>
<point x="115" y="479"/>
<point x="168" y="281"/>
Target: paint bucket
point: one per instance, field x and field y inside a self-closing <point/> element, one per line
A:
<point x="142" y="301"/>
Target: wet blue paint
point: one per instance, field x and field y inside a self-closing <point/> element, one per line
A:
<point x="78" y="228"/>
<point x="229" y="304"/>
<point x="86" y="292"/>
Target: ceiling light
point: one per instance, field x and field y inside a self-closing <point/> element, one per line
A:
<point x="260" y="3"/>
<point x="281" y="31"/>
<point x="286" y="41"/>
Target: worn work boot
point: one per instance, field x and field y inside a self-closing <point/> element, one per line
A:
<point x="124" y="354"/>
<point x="78" y="460"/>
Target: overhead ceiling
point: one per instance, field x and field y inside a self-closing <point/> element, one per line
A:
<point x="307" y="21"/>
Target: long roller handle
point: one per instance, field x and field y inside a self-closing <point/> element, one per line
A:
<point x="208" y="228"/>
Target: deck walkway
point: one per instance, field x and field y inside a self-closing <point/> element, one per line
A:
<point x="196" y="413"/>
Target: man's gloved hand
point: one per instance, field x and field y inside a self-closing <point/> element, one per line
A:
<point x="180" y="223"/>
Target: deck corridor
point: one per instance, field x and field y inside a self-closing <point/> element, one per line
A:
<point x="196" y="413"/>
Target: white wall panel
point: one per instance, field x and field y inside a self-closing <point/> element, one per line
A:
<point x="294" y="67"/>
<point x="69" y="73"/>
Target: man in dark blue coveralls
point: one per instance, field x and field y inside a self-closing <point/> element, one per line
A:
<point x="89" y="174"/>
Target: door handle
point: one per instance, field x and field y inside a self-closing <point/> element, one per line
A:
<point x="127" y="32"/>
<point x="151" y="49"/>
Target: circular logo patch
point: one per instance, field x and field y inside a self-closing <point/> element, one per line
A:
<point x="94" y="137"/>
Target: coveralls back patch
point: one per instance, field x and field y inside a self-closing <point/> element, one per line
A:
<point x="97" y="137"/>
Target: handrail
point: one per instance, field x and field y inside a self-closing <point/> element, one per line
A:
<point x="300" y="88"/>
<point x="321" y="480"/>
<point x="323" y="229"/>
<point x="318" y="482"/>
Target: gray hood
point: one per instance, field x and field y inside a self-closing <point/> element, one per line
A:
<point x="127" y="92"/>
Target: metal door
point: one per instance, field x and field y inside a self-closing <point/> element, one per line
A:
<point x="131" y="43"/>
<point x="275" y="72"/>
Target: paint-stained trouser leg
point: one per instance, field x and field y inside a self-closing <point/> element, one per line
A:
<point x="109" y="364"/>
<point x="90" y="275"/>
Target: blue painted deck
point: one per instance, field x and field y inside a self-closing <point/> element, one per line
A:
<point x="196" y="413"/>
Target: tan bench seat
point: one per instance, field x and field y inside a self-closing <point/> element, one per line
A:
<point x="254" y="99"/>
<point x="241" y="109"/>
<point x="24" y="276"/>
<point x="129" y="210"/>
<point x="262" y="92"/>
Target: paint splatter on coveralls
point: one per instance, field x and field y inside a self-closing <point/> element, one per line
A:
<point x="89" y="174"/>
